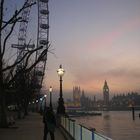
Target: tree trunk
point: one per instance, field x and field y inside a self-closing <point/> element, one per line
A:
<point x="19" y="110"/>
<point x="3" y="114"/>
<point x="26" y="110"/>
<point x="26" y="102"/>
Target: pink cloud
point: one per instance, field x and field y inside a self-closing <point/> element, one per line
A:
<point x="108" y="39"/>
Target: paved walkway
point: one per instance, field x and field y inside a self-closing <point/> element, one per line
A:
<point x="30" y="128"/>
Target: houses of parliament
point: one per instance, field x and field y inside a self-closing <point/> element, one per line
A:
<point x="118" y="102"/>
<point x="76" y="102"/>
<point x="80" y="100"/>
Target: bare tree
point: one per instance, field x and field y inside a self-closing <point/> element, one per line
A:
<point x="7" y="72"/>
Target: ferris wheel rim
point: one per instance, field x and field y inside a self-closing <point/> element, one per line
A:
<point x="42" y="35"/>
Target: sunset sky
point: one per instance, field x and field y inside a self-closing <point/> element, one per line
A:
<point x="94" y="40"/>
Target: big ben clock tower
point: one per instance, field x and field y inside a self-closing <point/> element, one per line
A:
<point x="106" y="94"/>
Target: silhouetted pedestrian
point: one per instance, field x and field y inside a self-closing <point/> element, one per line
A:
<point x="49" y="123"/>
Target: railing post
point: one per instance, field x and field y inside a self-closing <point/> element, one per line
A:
<point x="92" y="130"/>
<point x="73" y="125"/>
<point x="61" y="120"/>
<point x="74" y="128"/>
<point x="69" y="125"/>
<point x="65" y="122"/>
<point x="80" y="132"/>
<point x="92" y="135"/>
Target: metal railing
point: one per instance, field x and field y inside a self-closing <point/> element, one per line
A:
<point x="79" y="132"/>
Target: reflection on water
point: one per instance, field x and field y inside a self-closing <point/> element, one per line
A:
<point x="117" y="125"/>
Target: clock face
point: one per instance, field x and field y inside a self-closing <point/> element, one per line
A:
<point x="106" y="90"/>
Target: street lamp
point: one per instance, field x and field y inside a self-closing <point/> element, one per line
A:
<point x="61" y="108"/>
<point x="50" y="90"/>
<point x="45" y="100"/>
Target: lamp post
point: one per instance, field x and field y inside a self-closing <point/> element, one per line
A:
<point x="60" y="108"/>
<point x="50" y="90"/>
<point x="45" y="100"/>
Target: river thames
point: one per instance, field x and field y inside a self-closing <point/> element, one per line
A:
<point x="117" y="125"/>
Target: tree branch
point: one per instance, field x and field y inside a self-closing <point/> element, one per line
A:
<point x="6" y="38"/>
<point x="23" y="70"/>
<point x="16" y="14"/>
<point x="1" y="18"/>
<point x="1" y="12"/>
<point x="24" y="56"/>
<point x="43" y="54"/>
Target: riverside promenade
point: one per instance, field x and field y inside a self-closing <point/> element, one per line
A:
<point x="30" y="128"/>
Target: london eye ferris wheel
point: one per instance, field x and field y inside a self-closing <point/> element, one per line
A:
<point x="42" y="36"/>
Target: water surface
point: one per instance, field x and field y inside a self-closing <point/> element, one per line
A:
<point x="117" y="125"/>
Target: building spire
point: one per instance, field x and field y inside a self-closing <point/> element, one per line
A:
<point x="106" y="95"/>
<point x="105" y="85"/>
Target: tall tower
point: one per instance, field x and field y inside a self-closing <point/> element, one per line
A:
<point x="106" y="94"/>
<point x="76" y="96"/>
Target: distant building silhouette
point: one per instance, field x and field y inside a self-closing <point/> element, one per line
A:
<point x="76" y="102"/>
<point x="125" y="101"/>
<point x="83" y="99"/>
<point x="77" y="96"/>
<point x="88" y="103"/>
<point x="106" y="94"/>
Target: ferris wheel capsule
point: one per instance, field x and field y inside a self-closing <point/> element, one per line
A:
<point x="43" y="42"/>
<point x="44" y="12"/>
<point x="45" y="1"/>
<point x="44" y="26"/>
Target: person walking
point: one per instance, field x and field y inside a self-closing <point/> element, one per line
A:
<point x="49" y="123"/>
